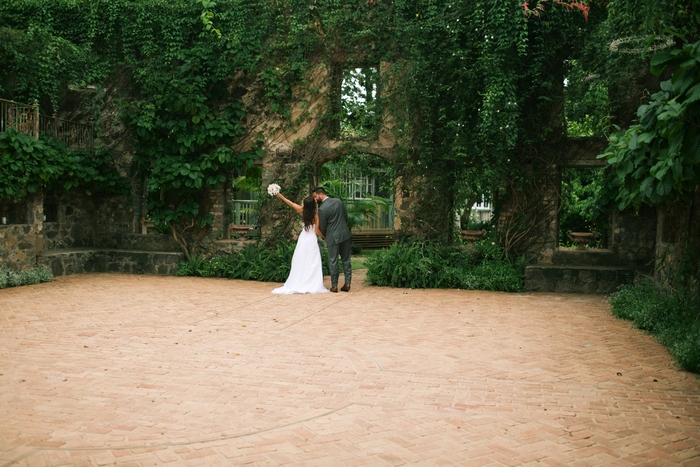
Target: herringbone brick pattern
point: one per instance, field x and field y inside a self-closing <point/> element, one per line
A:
<point x="125" y="370"/>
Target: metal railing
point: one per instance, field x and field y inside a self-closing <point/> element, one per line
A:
<point x="76" y="135"/>
<point x="482" y="210"/>
<point x="22" y="117"/>
<point x="383" y="218"/>
<point x="244" y="212"/>
<point x="25" y="118"/>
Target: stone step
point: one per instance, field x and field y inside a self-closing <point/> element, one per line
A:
<point x="578" y="279"/>
<point x="85" y="260"/>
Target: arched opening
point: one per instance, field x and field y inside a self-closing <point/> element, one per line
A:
<point x="579" y="211"/>
<point x="242" y="202"/>
<point x="14" y="213"/>
<point x="365" y="183"/>
<point x="587" y="108"/>
<point x="360" y="113"/>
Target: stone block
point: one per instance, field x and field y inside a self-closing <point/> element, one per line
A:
<point x="577" y="279"/>
<point x="75" y="261"/>
<point x="588" y="257"/>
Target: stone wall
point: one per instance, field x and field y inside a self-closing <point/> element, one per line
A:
<point x="20" y="241"/>
<point x="528" y="222"/>
<point x="83" y="221"/>
<point x="85" y="260"/>
<point x="294" y="153"/>
<point x="74" y="226"/>
<point x="275" y="214"/>
<point x="632" y="236"/>
<point x="678" y="236"/>
<point x="18" y="249"/>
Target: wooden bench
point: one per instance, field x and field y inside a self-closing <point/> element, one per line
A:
<point x="373" y="239"/>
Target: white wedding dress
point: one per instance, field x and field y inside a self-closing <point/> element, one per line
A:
<point x="306" y="275"/>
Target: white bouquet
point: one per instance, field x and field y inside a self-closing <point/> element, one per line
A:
<point x="273" y="189"/>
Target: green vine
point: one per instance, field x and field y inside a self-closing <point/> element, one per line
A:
<point x="475" y="90"/>
<point x="28" y="166"/>
<point x="284" y="220"/>
<point x="657" y="161"/>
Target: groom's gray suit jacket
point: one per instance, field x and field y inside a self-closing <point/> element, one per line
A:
<point x="333" y="220"/>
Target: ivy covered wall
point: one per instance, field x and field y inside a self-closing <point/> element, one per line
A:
<point x="472" y="95"/>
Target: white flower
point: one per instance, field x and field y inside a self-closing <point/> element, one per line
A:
<point x="273" y="189"/>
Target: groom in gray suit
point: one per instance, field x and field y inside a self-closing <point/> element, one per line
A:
<point x="333" y="223"/>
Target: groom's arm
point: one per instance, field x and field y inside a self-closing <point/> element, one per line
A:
<point x="318" y="228"/>
<point x="321" y="223"/>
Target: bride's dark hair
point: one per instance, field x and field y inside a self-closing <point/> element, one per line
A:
<point x="308" y="213"/>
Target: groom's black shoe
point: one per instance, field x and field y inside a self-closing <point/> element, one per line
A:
<point x="345" y="288"/>
<point x="334" y="289"/>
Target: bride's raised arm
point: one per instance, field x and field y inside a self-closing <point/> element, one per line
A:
<point x="294" y="206"/>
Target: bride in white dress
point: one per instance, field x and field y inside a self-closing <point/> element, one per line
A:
<point x="306" y="275"/>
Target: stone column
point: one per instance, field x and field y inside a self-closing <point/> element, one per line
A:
<point x="35" y="206"/>
<point x="139" y="204"/>
<point x="217" y="204"/>
<point x="227" y="217"/>
<point x="278" y="167"/>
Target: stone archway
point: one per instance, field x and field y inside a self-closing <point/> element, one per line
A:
<point x="366" y="184"/>
<point x="300" y="167"/>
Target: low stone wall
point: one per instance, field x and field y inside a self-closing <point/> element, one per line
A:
<point x="76" y="220"/>
<point x="577" y="279"/>
<point x="229" y="247"/>
<point x="149" y="242"/>
<point x="17" y="246"/>
<point x="588" y="257"/>
<point x="85" y="260"/>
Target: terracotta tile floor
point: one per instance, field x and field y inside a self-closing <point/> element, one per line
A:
<point x="111" y="369"/>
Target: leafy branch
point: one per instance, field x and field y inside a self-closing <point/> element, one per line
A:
<point x="657" y="161"/>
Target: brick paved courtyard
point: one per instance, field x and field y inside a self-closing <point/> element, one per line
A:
<point x="129" y="370"/>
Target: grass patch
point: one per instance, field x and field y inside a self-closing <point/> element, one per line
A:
<point x="358" y="264"/>
<point x="672" y="317"/>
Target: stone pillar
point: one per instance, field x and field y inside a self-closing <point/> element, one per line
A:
<point x="551" y="198"/>
<point x="35" y="205"/>
<point x="227" y="217"/>
<point x="278" y="167"/>
<point x="404" y="217"/>
<point x="528" y="222"/>
<point x="139" y="205"/>
<point x="217" y="204"/>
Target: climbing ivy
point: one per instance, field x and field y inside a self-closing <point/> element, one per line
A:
<point x="28" y="165"/>
<point x="657" y="161"/>
<point x="475" y="89"/>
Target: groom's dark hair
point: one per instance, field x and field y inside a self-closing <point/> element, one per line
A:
<point x="320" y="191"/>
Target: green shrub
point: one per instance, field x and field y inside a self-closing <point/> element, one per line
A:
<point x="494" y="275"/>
<point x="684" y="345"/>
<point x="9" y="278"/>
<point x="14" y="279"/>
<point x="266" y="263"/>
<point x="193" y="267"/>
<point x="420" y="264"/>
<point x="672" y="317"/>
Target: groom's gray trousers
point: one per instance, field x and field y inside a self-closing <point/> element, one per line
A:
<point x="344" y="250"/>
